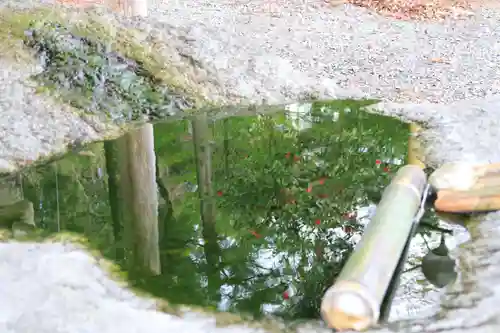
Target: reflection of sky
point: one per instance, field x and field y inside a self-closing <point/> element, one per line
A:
<point x="414" y="299"/>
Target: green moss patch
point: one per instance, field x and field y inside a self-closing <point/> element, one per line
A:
<point x="94" y="66"/>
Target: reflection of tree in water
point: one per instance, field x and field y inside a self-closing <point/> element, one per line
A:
<point x="69" y="191"/>
<point x="16" y="213"/>
<point x="296" y="193"/>
<point x="286" y="194"/>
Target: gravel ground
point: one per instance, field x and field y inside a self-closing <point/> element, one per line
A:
<point x="360" y="51"/>
<point x="280" y="51"/>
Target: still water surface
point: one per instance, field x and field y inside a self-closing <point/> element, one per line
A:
<point x="247" y="214"/>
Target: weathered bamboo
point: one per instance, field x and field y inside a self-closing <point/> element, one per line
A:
<point x="415" y="149"/>
<point x="354" y="301"/>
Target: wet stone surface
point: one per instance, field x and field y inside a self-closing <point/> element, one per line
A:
<point x="248" y="214"/>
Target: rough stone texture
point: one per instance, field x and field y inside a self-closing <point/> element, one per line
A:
<point x="293" y="42"/>
<point x="461" y="131"/>
<point x="45" y="295"/>
<point x="254" y="52"/>
<point x="275" y="51"/>
<point x="34" y="126"/>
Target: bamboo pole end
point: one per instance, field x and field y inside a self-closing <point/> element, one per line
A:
<point x="346" y="307"/>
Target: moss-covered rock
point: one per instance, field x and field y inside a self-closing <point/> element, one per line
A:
<point x="55" y="95"/>
<point x="96" y="66"/>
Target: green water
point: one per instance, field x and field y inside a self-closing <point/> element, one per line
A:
<point x="253" y="214"/>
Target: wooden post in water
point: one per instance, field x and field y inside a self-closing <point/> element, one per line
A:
<point x="138" y="181"/>
<point x="202" y="142"/>
<point x="353" y="302"/>
<point x="138" y="178"/>
<point x="146" y="238"/>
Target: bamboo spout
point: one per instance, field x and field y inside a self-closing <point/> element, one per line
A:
<point x="354" y="301"/>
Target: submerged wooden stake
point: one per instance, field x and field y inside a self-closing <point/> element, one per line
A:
<point x="353" y="302"/>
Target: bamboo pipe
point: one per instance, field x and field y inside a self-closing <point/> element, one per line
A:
<point x="353" y="301"/>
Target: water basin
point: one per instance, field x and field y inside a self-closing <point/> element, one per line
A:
<point x="252" y="214"/>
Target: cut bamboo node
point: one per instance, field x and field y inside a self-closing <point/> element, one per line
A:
<point x="346" y="306"/>
<point x="354" y="301"/>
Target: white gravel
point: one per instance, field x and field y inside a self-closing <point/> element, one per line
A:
<point x="358" y="50"/>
